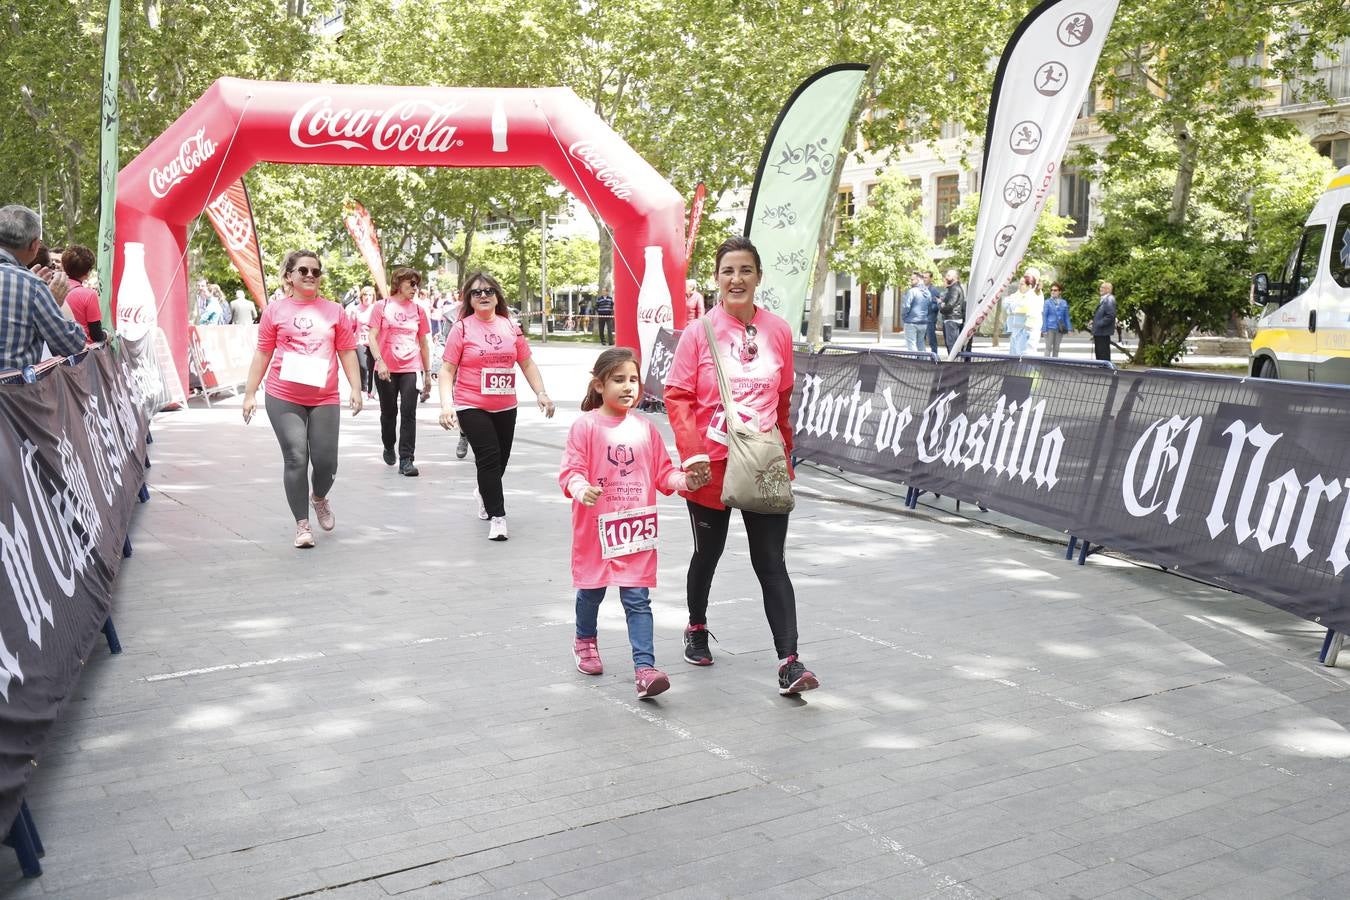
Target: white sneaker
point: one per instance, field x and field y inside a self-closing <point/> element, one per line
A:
<point x="482" y="510"/>
<point x="497" y="530"/>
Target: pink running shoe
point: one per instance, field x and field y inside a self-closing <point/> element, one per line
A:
<point x="587" y="655"/>
<point x="323" y="511"/>
<point x="304" y="538"/>
<point x="651" y="682"/>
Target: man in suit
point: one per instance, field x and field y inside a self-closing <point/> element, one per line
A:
<point x="1104" y="322"/>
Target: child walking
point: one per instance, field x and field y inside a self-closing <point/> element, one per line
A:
<point x="614" y="464"/>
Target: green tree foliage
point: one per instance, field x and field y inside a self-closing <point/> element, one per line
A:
<point x="1288" y="179"/>
<point x="885" y="240"/>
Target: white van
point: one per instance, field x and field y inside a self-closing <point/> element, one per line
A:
<point x="1303" y="333"/>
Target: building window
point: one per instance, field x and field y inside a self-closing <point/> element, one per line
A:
<point x="1332" y="69"/>
<point x="1089" y="107"/>
<point x="1074" y="188"/>
<point x="844" y="208"/>
<point x="948" y="197"/>
<point x="916" y="204"/>
<point x="1337" y="150"/>
<point x="952" y="130"/>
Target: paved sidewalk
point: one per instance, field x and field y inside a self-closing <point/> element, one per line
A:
<point x="396" y="713"/>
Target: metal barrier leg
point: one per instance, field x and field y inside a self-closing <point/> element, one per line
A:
<point x="109" y="632"/>
<point x="1331" y="648"/>
<point x="147" y="460"/>
<point x="126" y="547"/>
<point x="27" y="846"/>
<point x="144" y="495"/>
<point x="1073" y="545"/>
<point x="1086" y="551"/>
<point x="149" y="438"/>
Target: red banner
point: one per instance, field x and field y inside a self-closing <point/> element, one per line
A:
<point x="695" y="219"/>
<point x="362" y="229"/>
<point x="231" y="215"/>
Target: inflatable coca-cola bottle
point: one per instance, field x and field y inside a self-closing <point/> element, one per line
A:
<point x="138" y="325"/>
<point x="654" y="310"/>
<point x="136" y="312"/>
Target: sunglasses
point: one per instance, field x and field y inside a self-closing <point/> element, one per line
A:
<point x="306" y="271"/>
<point x="751" y="348"/>
<point x="482" y="292"/>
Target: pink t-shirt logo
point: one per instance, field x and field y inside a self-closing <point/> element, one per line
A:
<point x="494" y="339"/>
<point x="622" y="457"/>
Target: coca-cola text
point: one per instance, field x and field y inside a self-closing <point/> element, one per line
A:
<point x="407" y="125"/>
<point x="195" y="150"/>
<point x="601" y="168"/>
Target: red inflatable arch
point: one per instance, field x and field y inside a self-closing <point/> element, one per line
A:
<point x="238" y="123"/>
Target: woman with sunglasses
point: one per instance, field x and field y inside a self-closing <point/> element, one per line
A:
<point x="400" y="342"/>
<point x="301" y="338"/>
<point x="482" y="352"/>
<point x="755" y="347"/>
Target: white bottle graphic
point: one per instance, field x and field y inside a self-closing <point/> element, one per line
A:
<point x="136" y="313"/>
<point x="654" y="310"/>
<point x="498" y="127"/>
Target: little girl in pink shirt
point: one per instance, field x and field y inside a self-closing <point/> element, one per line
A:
<point x="612" y="468"/>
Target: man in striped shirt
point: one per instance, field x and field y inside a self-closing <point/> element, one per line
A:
<point x="32" y="308"/>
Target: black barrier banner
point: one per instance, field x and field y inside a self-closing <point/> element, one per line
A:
<point x="72" y="460"/>
<point x="1242" y="482"/>
<point x="663" y="354"/>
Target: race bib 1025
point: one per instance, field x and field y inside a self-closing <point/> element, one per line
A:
<point x="627" y="531"/>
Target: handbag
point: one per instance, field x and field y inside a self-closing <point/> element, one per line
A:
<point x="756" y="478"/>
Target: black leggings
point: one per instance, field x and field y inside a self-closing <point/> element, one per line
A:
<point x="490" y="435"/>
<point x="399" y="391"/>
<point x="367" y="361"/>
<point x="767" y="535"/>
<point x="307" y="435"/>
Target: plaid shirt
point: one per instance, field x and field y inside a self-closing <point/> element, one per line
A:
<point x="29" y="315"/>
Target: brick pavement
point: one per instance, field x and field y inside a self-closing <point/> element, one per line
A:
<point x="395" y="713"/>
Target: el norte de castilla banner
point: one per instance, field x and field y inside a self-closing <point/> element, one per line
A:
<point x="1241" y="482"/>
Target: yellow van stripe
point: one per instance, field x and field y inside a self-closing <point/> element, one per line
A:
<point x="1285" y="340"/>
<point x="1339" y="181"/>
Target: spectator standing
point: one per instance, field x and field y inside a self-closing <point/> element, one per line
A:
<point x="77" y="262"/>
<point x="953" y="308"/>
<point x="934" y="310"/>
<point x="1055" y="320"/>
<point x="1104" y="322"/>
<point x="693" y="302"/>
<point x="604" y="311"/>
<point x="914" y="313"/>
<point x="32" y="307"/>
<point x="241" y="309"/>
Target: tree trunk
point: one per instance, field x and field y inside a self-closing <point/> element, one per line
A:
<point x="825" y="237"/>
<point x="1181" y="188"/>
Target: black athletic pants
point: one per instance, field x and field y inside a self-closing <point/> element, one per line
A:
<point x="767" y="535"/>
<point x="490" y="435"/>
<point x="400" y="389"/>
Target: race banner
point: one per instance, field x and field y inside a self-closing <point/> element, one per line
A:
<point x="695" y="220"/>
<point x="793" y="185"/>
<point x="231" y="215"/>
<point x="662" y="356"/>
<point x="219" y="355"/>
<point x="107" y="158"/>
<point x="362" y="229"/>
<point x="72" y="460"/>
<point x="1242" y="482"/>
<point x="1044" y="74"/>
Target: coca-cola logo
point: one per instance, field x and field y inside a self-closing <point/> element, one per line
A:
<point x="659" y="315"/>
<point x="194" y="151"/>
<point x="601" y="168"/>
<point x="233" y="225"/>
<point x="407" y="125"/>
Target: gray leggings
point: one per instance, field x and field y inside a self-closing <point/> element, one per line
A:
<point x="308" y="435"/>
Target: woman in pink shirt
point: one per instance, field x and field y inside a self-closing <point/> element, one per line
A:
<point x="614" y="464"/>
<point x="399" y="330"/>
<point x="755" y="347"/>
<point x="482" y="352"/>
<point x="359" y="313"/>
<point x="301" y="338"/>
<point x="78" y="262"/>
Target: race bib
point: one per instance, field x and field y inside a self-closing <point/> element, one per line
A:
<point x="627" y="531"/>
<point x="717" y="427"/>
<point x="301" y="368"/>
<point x="499" y="381"/>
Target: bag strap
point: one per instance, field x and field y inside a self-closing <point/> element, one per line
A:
<point x="722" y="387"/>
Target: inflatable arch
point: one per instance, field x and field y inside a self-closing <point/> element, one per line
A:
<point x="238" y="123"/>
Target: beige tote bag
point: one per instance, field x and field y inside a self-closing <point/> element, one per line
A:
<point x="757" y="473"/>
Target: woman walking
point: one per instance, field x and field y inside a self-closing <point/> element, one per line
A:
<point x="755" y="347"/>
<point x="478" y="388"/>
<point x="1055" y="320"/>
<point x="399" y="340"/>
<point x="301" y="338"/>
